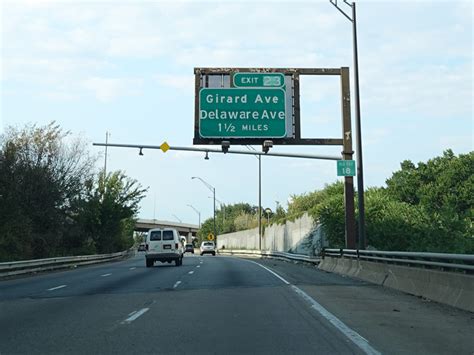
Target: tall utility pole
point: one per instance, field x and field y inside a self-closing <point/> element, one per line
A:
<point x="105" y="160"/>
<point x="360" y="170"/>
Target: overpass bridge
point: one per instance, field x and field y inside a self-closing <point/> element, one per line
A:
<point x="184" y="229"/>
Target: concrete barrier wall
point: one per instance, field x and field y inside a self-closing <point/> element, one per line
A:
<point x="297" y="237"/>
<point x="244" y="240"/>
<point x="454" y="289"/>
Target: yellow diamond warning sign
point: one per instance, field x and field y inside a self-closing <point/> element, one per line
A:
<point x="164" y="147"/>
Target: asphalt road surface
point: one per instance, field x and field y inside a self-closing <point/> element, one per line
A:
<point x="220" y="305"/>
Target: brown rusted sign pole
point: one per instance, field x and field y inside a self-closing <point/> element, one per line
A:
<point x="347" y="153"/>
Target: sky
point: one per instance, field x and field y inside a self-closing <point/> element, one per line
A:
<point x="127" y="68"/>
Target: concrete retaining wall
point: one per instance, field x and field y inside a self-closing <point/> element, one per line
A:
<point x="450" y="288"/>
<point x="243" y="240"/>
<point x="300" y="237"/>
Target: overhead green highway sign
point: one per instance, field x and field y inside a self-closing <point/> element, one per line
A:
<point x="346" y="168"/>
<point x="259" y="79"/>
<point x="242" y="113"/>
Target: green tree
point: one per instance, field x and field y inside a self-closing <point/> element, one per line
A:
<point x="107" y="213"/>
<point x="393" y="224"/>
<point x="443" y="187"/>
<point x="40" y="178"/>
<point x="329" y="211"/>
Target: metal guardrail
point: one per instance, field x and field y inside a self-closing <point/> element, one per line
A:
<point x="39" y="265"/>
<point x="452" y="262"/>
<point x="273" y="254"/>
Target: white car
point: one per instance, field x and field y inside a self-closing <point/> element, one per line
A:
<point x="208" y="248"/>
<point x="163" y="245"/>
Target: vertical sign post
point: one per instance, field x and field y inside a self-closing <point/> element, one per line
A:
<point x="347" y="153"/>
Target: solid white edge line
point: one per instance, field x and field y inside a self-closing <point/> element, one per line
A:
<point x="353" y="336"/>
<point x="56" y="288"/>
<point x="270" y="271"/>
<point x="135" y="315"/>
<point x="105" y="275"/>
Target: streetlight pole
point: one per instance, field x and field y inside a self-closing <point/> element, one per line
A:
<point x="213" y="189"/>
<point x="360" y="174"/>
<point x="199" y="214"/>
<point x="223" y="210"/>
<point x="260" y="232"/>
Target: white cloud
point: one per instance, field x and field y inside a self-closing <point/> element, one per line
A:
<point x="177" y="81"/>
<point x="49" y="69"/>
<point x="108" y="89"/>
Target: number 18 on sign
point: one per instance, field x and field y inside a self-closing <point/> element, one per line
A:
<point x="346" y="168"/>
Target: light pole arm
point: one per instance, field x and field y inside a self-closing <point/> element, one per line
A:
<point x="199" y="214"/>
<point x="209" y="186"/>
<point x="193" y="208"/>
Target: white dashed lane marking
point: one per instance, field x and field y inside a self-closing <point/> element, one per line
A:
<point x="176" y="284"/>
<point x="135" y="315"/>
<point x="191" y="272"/>
<point x="105" y="275"/>
<point x="56" y="288"/>
<point x="133" y="268"/>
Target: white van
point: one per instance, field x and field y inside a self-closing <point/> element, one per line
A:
<point x="163" y="245"/>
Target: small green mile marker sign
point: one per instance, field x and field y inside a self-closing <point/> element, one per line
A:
<point x="346" y="168"/>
